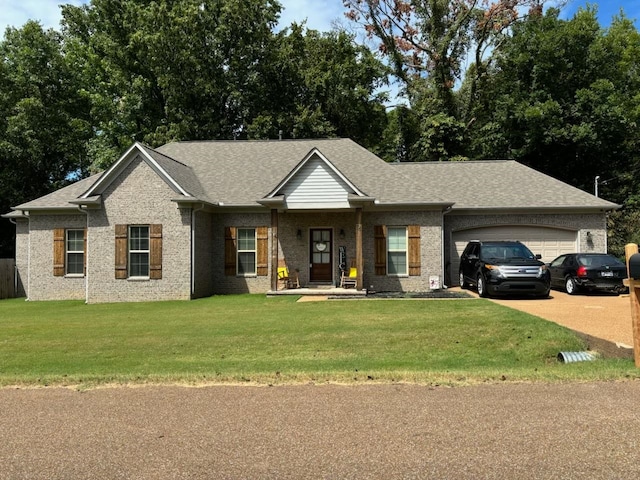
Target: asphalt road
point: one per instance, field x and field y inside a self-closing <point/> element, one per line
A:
<point x="505" y="431"/>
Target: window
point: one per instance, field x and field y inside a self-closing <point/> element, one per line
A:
<point x="74" y="252"/>
<point x="69" y="252"/>
<point x="397" y="250"/>
<point x="138" y="251"/>
<point x="246" y="251"/>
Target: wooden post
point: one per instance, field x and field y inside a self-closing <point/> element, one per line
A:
<point x="274" y="249"/>
<point x="359" y="260"/>
<point x="634" y="287"/>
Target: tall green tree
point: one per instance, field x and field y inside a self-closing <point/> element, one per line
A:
<point x="563" y="98"/>
<point x="320" y="84"/>
<point x="559" y="98"/>
<point x="44" y="119"/>
<point x="168" y="70"/>
<point x="427" y="42"/>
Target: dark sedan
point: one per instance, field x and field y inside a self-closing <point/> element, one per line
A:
<point x="588" y="271"/>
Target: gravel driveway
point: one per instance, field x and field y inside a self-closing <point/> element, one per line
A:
<point x="505" y="431"/>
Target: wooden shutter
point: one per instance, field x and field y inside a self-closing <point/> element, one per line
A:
<point x="262" y="262"/>
<point x="155" y="252"/>
<point x="380" y="246"/>
<point x="122" y="232"/>
<point x="58" y="252"/>
<point x="414" y="249"/>
<point x="230" y="250"/>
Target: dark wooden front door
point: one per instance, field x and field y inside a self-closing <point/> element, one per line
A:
<point x="321" y="255"/>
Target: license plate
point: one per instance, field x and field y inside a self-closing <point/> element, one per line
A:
<point x="606" y="274"/>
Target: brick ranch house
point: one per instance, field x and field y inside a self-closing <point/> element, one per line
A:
<point x="193" y="219"/>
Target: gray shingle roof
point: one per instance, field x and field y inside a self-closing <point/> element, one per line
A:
<point x="181" y="173"/>
<point x="499" y="184"/>
<point x="243" y="172"/>
<point x="60" y="198"/>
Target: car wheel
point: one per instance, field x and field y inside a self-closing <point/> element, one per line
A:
<point x="463" y="282"/>
<point x="482" y="288"/>
<point x="570" y="285"/>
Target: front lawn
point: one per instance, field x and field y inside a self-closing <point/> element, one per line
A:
<point x="251" y="338"/>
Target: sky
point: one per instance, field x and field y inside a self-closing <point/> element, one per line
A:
<point x="319" y="14"/>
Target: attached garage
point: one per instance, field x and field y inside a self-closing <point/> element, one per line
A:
<point x="546" y="241"/>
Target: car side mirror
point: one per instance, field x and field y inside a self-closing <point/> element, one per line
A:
<point x="538" y="256"/>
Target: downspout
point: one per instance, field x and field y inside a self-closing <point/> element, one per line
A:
<point x="86" y="273"/>
<point x="193" y="247"/>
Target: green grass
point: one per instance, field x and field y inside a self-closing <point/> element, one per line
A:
<point x="251" y="338"/>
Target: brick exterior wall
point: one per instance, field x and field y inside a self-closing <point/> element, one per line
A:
<point x="22" y="256"/>
<point x="596" y="223"/>
<point x="42" y="285"/>
<point x="204" y="246"/>
<point x="430" y="250"/>
<point x="139" y="197"/>
<point x="233" y="283"/>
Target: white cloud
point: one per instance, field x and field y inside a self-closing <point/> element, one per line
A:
<point x="15" y="13"/>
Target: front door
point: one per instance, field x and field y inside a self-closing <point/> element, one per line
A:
<point x="321" y="255"/>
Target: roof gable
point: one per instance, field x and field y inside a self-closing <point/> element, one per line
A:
<point x="315" y="183"/>
<point x="166" y="168"/>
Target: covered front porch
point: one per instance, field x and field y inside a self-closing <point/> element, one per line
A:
<point x="316" y="248"/>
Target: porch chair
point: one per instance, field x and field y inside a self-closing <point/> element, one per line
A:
<point x="286" y="279"/>
<point x="348" y="280"/>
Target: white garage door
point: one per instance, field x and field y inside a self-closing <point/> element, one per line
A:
<point x="548" y="242"/>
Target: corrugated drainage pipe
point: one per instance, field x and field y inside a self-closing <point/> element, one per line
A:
<point x="570" y="357"/>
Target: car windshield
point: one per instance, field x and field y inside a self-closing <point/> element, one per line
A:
<point x="505" y="252"/>
<point x="598" y="260"/>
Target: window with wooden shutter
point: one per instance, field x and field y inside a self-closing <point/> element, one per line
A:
<point x="155" y="261"/>
<point x="263" y="251"/>
<point x="414" y="250"/>
<point x="230" y="251"/>
<point x="121" y="253"/>
<point x="58" y="252"/>
<point x="380" y="246"/>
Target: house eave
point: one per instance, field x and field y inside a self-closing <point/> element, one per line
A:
<point x="191" y="201"/>
<point x="445" y="206"/>
<point x="533" y="209"/>
<point x="93" y="201"/>
<point x="49" y="210"/>
<point x="14" y="214"/>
